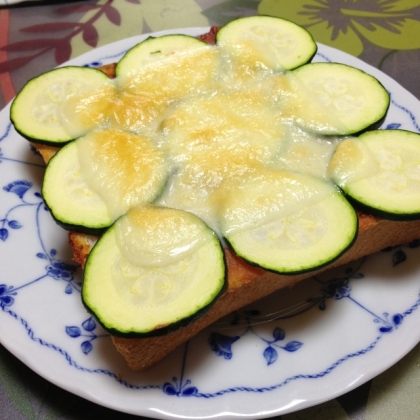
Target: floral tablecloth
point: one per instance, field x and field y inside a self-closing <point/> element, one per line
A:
<point x="37" y="36"/>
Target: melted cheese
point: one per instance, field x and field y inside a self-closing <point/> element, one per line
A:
<point x="351" y="162"/>
<point x="142" y="236"/>
<point x="306" y="153"/>
<point x="270" y="195"/>
<point x="211" y="119"/>
<point x="173" y="78"/>
<point x="302" y="107"/>
<point x="209" y="142"/>
<point x="123" y="168"/>
<point x="139" y="113"/>
<point x="382" y="167"/>
<point x="87" y="108"/>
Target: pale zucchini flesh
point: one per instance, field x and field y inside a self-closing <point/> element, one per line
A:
<point x="352" y="100"/>
<point x="289" y="223"/>
<point x="138" y="298"/>
<point x="380" y="172"/>
<point x="167" y="68"/>
<point x="271" y="42"/>
<point x="70" y="200"/>
<point x="36" y="112"/>
<point x="86" y="191"/>
<point x="153" y="50"/>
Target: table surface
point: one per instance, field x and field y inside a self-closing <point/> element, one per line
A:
<point x="37" y="36"/>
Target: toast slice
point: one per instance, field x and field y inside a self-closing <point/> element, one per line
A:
<point x="246" y="283"/>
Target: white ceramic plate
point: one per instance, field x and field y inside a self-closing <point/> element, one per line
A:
<point x="295" y="349"/>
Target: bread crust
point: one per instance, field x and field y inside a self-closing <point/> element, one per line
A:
<point x="246" y="283"/>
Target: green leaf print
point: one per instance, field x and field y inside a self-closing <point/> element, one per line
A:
<point x="402" y="5"/>
<point x="407" y="36"/>
<point x="348" y="24"/>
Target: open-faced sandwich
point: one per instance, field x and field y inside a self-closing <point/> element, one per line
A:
<point x="197" y="175"/>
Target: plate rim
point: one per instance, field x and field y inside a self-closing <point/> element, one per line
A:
<point x="198" y="30"/>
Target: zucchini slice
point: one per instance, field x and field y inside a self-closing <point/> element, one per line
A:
<point x="152" y="50"/>
<point x="167" y="67"/>
<point x="86" y="190"/>
<point x="62" y="104"/>
<point x="333" y="99"/>
<point x="155" y="270"/>
<point x="270" y="42"/>
<point x="287" y="222"/>
<point x="380" y="172"/>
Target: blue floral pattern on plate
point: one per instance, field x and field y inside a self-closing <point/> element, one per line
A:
<point x="298" y="337"/>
